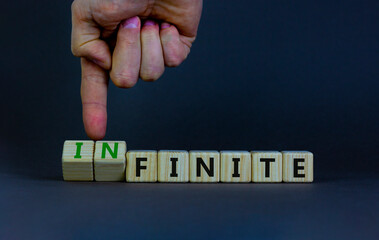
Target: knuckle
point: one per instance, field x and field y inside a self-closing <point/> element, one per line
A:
<point x="151" y="74"/>
<point x="124" y="79"/>
<point x="174" y="60"/>
<point x="175" y="54"/>
<point x="149" y="78"/>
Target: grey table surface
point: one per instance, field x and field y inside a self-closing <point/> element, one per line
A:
<point x="48" y="208"/>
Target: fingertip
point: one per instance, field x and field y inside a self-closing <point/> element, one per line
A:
<point x="150" y="27"/>
<point x="95" y="123"/>
<point x="165" y="25"/>
<point x="149" y="23"/>
<point x="131" y="23"/>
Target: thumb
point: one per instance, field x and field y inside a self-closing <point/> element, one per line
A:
<point x="85" y="38"/>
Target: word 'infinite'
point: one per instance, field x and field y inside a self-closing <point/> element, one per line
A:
<point x="110" y="161"/>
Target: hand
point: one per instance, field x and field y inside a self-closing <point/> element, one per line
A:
<point x="108" y="37"/>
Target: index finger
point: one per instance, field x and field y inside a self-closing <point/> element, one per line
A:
<point x="94" y="99"/>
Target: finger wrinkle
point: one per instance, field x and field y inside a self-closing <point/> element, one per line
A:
<point x="94" y="78"/>
<point x="96" y="104"/>
<point x="86" y="42"/>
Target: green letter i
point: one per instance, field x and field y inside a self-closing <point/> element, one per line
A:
<point x="78" y="149"/>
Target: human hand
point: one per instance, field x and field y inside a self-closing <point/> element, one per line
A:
<point x="127" y="39"/>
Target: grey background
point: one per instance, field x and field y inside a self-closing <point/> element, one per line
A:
<point x="281" y="75"/>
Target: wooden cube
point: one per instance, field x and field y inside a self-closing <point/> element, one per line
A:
<point x="297" y="166"/>
<point x="235" y="166"/>
<point x="109" y="160"/>
<point x="173" y="166"/>
<point x="204" y="166"/>
<point x="77" y="160"/>
<point x="142" y="166"/>
<point x="266" y="166"/>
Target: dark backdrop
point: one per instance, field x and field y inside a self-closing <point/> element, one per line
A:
<point x="273" y="75"/>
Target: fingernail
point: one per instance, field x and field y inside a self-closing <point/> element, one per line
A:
<point x="130" y="23"/>
<point x="149" y="23"/>
<point x="165" y="25"/>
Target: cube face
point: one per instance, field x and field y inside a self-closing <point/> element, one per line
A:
<point x="266" y="166"/>
<point x="235" y="166"/>
<point x="142" y="166"/>
<point x="77" y="160"/>
<point x="109" y="160"/>
<point x="173" y="166"/>
<point x="297" y="166"/>
<point x="204" y="166"/>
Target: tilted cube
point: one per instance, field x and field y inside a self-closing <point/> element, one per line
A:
<point x="109" y="160"/>
<point x="77" y="160"/>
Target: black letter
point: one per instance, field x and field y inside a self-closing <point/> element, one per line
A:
<point x="236" y="162"/>
<point x="267" y="165"/>
<point x="200" y="162"/>
<point x="296" y="167"/>
<point x="173" y="167"/>
<point x="139" y="167"/>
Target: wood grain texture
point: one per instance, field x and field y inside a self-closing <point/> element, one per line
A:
<point x="198" y="172"/>
<point x="109" y="163"/>
<point x="297" y="166"/>
<point x="173" y="166"/>
<point x="266" y="166"/>
<point x="235" y="166"/>
<point x="148" y="170"/>
<point x="77" y="160"/>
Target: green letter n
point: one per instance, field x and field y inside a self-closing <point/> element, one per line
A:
<point x="107" y="147"/>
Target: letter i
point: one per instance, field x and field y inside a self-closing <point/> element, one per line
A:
<point x="78" y="150"/>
